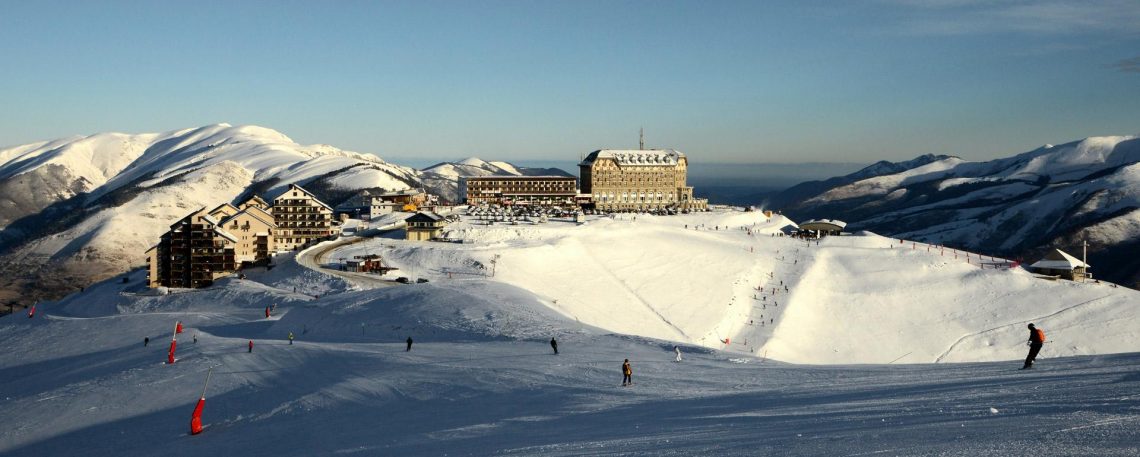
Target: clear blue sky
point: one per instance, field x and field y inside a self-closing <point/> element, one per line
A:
<point x="753" y="81"/>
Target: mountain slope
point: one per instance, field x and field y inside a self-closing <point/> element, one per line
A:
<point x="1054" y="196"/>
<point x="92" y="205"/>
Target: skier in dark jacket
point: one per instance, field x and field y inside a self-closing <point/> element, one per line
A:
<point x="1036" y="340"/>
<point x="409" y="344"/>
<point x="554" y="344"/>
<point x="146" y="341"/>
<point x="626" y="373"/>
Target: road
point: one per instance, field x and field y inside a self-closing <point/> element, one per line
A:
<point x="314" y="258"/>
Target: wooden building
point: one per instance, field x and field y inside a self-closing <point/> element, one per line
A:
<point x="424" y="226"/>
<point x="301" y="218"/>
<point x="195" y="252"/>
<point x="1059" y="263"/>
<point x="638" y="180"/>
<point x="520" y="190"/>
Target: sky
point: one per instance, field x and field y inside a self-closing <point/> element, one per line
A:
<point x="722" y="81"/>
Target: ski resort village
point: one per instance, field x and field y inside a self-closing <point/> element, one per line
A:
<point x="280" y="299"/>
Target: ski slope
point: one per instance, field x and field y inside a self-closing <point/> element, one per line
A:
<point x="707" y="278"/>
<point x="481" y="378"/>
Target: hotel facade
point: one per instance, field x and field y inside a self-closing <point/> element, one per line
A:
<point x="638" y="180"/>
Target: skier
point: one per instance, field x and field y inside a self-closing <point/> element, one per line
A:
<point x="1036" y="340"/>
<point x="677" y="349"/>
<point x="251" y="346"/>
<point x="267" y="312"/>
<point x="409" y="344"/>
<point x="627" y="374"/>
<point x="554" y="344"/>
<point x="146" y="341"/>
<point x="195" y="338"/>
<point x="290" y="338"/>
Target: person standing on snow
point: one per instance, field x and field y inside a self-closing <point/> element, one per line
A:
<point x="677" y="349"/>
<point x="554" y="344"/>
<point x="409" y="344"/>
<point x="251" y="346"/>
<point x="146" y="341"/>
<point x="1036" y="340"/>
<point x="627" y="374"/>
<point x="290" y="338"/>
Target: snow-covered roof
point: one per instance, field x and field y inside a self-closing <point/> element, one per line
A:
<point x="837" y="223"/>
<point x="652" y="157"/>
<point x="1059" y="260"/>
<point x="420" y="216"/>
<point x="226" y="235"/>
<point x="302" y="189"/>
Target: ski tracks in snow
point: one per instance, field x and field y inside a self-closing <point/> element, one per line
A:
<point x="971" y="335"/>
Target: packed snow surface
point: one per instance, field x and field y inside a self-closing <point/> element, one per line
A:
<point x="481" y="377"/>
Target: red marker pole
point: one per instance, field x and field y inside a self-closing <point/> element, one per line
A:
<point x="32" y="311"/>
<point x="178" y="328"/>
<point x="196" y="418"/>
<point x="173" y="346"/>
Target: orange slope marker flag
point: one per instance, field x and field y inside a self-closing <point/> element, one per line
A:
<point x="196" y="419"/>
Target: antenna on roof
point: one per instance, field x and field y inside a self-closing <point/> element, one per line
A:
<point x="641" y="142"/>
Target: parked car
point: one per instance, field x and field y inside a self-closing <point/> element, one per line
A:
<point x="421" y="280"/>
<point x="403" y="280"/>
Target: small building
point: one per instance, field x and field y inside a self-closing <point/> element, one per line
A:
<point x="368" y="204"/>
<point x="823" y="227"/>
<point x="424" y="226"/>
<point x="1059" y="263"/>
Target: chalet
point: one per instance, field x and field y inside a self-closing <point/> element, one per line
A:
<point x="1060" y="263"/>
<point x="424" y="226"/>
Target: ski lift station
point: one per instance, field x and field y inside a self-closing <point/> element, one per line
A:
<point x="1061" y="264"/>
<point x="823" y="227"/>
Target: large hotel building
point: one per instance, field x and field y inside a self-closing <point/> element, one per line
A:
<point x="520" y="190"/>
<point x="638" y="180"/>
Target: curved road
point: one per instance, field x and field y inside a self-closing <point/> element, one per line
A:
<point x="316" y="256"/>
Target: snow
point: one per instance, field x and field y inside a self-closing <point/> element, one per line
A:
<point x="139" y="184"/>
<point x="481" y="379"/>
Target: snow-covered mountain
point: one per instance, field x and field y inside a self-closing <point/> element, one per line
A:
<point x="1053" y="196"/>
<point x="444" y="177"/>
<point x="80" y="209"/>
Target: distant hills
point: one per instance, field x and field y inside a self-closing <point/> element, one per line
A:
<point x="1019" y="206"/>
